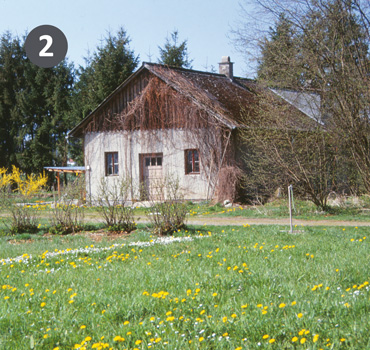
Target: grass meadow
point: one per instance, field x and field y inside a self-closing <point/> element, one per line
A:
<point x="249" y="287"/>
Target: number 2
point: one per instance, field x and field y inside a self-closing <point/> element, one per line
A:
<point x="49" y="42"/>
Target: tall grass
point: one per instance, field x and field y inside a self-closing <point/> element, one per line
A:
<point x="221" y="288"/>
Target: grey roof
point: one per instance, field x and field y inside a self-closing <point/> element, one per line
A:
<point x="65" y="168"/>
<point x="307" y="103"/>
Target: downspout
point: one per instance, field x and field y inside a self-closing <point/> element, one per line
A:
<point x="222" y="160"/>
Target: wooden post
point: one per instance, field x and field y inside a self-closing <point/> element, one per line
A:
<point x="290" y="189"/>
<point x="58" y="180"/>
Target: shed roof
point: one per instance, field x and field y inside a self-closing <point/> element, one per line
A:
<point x="66" y="169"/>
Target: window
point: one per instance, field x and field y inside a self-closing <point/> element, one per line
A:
<point x="153" y="160"/>
<point x="111" y="163"/>
<point x="192" y="161"/>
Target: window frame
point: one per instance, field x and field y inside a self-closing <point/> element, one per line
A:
<point x="193" y="161"/>
<point x="113" y="165"/>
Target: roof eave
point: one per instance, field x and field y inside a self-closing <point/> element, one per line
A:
<point x="76" y="132"/>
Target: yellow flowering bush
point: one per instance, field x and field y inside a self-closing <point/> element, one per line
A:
<point x="23" y="216"/>
<point x="28" y="186"/>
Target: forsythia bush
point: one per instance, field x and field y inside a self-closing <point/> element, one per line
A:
<point x="23" y="217"/>
<point x="30" y="185"/>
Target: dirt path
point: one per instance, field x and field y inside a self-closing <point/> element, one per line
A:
<point x="268" y="221"/>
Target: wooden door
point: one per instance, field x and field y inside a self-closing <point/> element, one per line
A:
<point x="152" y="176"/>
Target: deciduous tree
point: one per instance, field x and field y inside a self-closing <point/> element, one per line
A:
<point x="330" y="41"/>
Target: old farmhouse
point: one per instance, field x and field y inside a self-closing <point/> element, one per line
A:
<point x="172" y="122"/>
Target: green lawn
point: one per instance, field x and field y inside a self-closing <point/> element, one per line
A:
<point x="252" y="287"/>
<point x="279" y="209"/>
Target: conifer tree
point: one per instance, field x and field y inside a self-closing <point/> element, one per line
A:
<point x="11" y="81"/>
<point x="34" y="109"/>
<point x="43" y="114"/>
<point x="280" y="63"/>
<point x="173" y="53"/>
<point x="111" y="64"/>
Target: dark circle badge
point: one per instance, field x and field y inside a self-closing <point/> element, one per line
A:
<point x="46" y="46"/>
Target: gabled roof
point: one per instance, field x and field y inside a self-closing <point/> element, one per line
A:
<point x="221" y="97"/>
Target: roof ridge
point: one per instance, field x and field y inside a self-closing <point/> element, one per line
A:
<point x="188" y="70"/>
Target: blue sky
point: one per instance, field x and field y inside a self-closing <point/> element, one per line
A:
<point x="205" y="24"/>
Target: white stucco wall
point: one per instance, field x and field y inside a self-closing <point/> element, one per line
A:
<point x="129" y="145"/>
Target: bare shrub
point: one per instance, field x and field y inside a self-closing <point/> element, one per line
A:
<point x="68" y="212"/>
<point x="168" y="214"/>
<point x="112" y="200"/>
<point x="24" y="218"/>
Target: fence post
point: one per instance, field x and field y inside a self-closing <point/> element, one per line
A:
<point x="290" y="190"/>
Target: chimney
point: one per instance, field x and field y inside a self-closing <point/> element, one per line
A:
<point x="226" y="67"/>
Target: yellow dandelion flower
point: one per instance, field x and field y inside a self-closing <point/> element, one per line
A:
<point x="294" y="339"/>
<point x="118" y="338"/>
<point x="272" y="340"/>
<point x="266" y="336"/>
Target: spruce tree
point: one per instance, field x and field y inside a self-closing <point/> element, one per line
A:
<point x="43" y="112"/>
<point x="173" y="53"/>
<point x="279" y="62"/>
<point x="111" y="64"/>
<point x="11" y="81"/>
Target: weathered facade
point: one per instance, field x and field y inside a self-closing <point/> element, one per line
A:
<point x="169" y="122"/>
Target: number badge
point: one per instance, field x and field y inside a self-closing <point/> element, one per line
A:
<point x="46" y="46"/>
